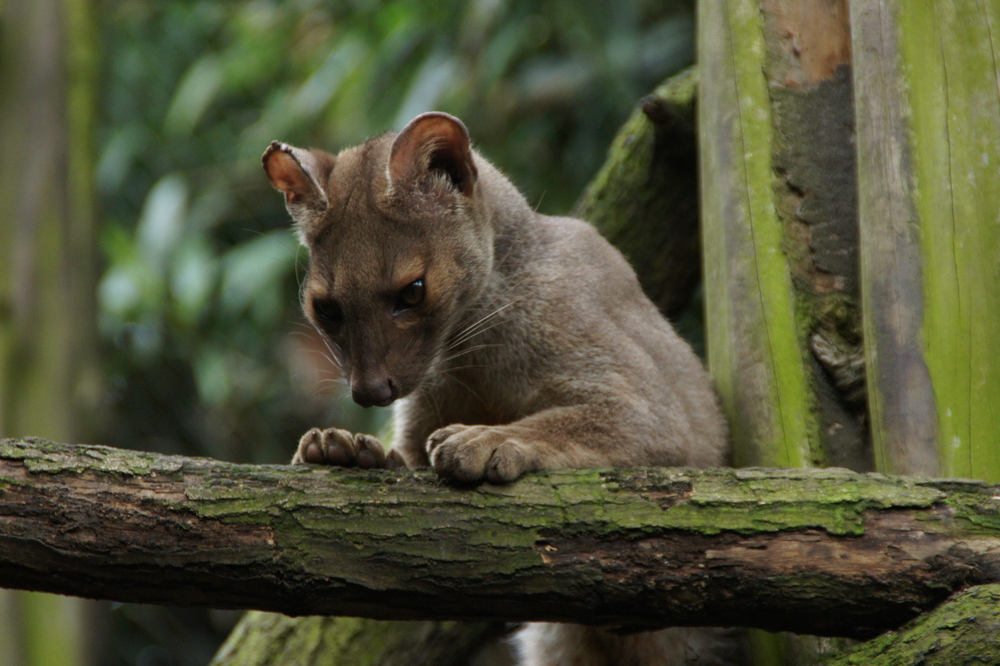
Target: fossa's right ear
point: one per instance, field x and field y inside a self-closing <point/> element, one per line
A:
<point x="432" y="142"/>
<point x="300" y="175"/>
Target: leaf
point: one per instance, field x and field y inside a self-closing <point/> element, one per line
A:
<point x="161" y="224"/>
<point x="255" y="269"/>
<point x="193" y="95"/>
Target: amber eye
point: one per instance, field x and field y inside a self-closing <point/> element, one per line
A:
<point x="328" y="312"/>
<point x="410" y="296"/>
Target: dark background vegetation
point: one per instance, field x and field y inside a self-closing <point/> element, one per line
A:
<point x="204" y="351"/>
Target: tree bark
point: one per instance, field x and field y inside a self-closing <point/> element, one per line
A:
<point x="928" y="109"/>
<point x="928" y="119"/>
<point x="826" y="551"/>
<point x="779" y="230"/>
<point x="963" y="630"/>
<point x="749" y="318"/>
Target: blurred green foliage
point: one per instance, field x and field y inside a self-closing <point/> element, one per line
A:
<point x="198" y="300"/>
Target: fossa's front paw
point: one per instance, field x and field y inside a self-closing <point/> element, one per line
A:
<point x="342" y="448"/>
<point x="476" y="453"/>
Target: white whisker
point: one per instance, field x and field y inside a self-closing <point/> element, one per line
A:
<point x="469" y="350"/>
<point x="474" y="328"/>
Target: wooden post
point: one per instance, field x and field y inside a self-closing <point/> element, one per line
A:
<point x="928" y="113"/>
<point x="778" y="230"/>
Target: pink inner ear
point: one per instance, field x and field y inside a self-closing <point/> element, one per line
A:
<point x="433" y="140"/>
<point x="285" y="174"/>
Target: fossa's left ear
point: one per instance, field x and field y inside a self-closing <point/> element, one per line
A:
<point x="301" y="175"/>
<point x="431" y="142"/>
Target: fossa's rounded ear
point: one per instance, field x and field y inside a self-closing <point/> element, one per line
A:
<point x="433" y="141"/>
<point x="300" y="175"/>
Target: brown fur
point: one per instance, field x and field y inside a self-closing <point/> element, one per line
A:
<point x="532" y="345"/>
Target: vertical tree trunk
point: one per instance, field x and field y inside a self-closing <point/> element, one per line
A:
<point x="47" y="321"/>
<point x="779" y="235"/>
<point x="779" y="230"/>
<point x="928" y="129"/>
<point x="780" y="242"/>
<point x="928" y="114"/>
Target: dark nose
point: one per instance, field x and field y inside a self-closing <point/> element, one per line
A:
<point x="378" y="392"/>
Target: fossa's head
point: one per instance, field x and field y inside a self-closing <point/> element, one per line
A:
<point x="399" y="242"/>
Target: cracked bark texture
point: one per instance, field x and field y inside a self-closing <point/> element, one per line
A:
<point x="825" y="551"/>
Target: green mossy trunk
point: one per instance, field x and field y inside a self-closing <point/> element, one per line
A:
<point x="753" y="351"/>
<point x="928" y="113"/>
<point x="963" y="630"/>
<point x="644" y="199"/>
<point x="779" y="231"/>
<point x="928" y="128"/>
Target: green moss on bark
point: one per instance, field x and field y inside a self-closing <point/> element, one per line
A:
<point x="962" y="630"/>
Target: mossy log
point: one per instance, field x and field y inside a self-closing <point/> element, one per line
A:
<point x="827" y="552"/>
<point x="963" y="630"/>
